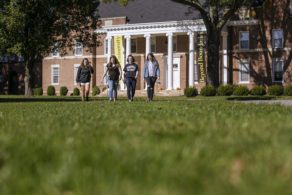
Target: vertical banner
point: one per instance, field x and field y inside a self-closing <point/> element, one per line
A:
<point x="119" y="52"/>
<point x="201" y="58"/>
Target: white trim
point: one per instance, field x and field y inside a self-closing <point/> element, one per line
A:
<point x="243" y="22"/>
<point x="76" y="66"/>
<point x="52" y="76"/>
<point x="273" y="75"/>
<point x="154" y="28"/>
<point x="248" y="47"/>
<point x="240" y="62"/>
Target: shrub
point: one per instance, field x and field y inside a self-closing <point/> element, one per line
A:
<point x="63" y="91"/>
<point x="76" y="92"/>
<point x="38" y="91"/>
<point x="208" y="91"/>
<point x="276" y="90"/>
<point x="51" y="91"/>
<point x="241" y="90"/>
<point x="95" y="91"/>
<point x="225" y="90"/>
<point x="258" y="90"/>
<point x="190" y="92"/>
<point x="288" y="90"/>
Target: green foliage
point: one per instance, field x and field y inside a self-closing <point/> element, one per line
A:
<point x="288" y="90"/>
<point x="241" y="90"/>
<point x="225" y="90"/>
<point x="258" y="90"/>
<point x="63" y="91"/>
<point x="76" y="92"/>
<point x="51" y="91"/>
<point x="190" y="92"/>
<point x="95" y="91"/>
<point x="208" y="91"/>
<point x="32" y="28"/>
<point x="276" y="90"/>
<point x="38" y="91"/>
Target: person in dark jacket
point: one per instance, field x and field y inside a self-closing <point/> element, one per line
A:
<point x="113" y="73"/>
<point x="83" y="78"/>
<point x="131" y="74"/>
<point x="151" y="74"/>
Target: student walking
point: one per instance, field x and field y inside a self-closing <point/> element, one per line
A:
<point x="85" y="70"/>
<point x="131" y="74"/>
<point x="151" y="74"/>
<point x="113" y="74"/>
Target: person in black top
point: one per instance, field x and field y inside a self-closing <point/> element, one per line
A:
<point x="131" y="74"/>
<point x="83" y="78"/>
<point x="113" y="74"/>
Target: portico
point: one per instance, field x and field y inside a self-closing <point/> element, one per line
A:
<point x="165" y="29"/>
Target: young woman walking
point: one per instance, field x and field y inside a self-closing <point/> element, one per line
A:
<point x="131" y="74"/>
<point x="83" y="78"/>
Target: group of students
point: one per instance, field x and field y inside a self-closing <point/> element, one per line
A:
<point x="113" y="75"/>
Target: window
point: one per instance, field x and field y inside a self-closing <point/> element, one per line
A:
<point x="244" y="71"/>
<point x="78" y="49"/>
<point x="153" y="44"/>
<point x="108" y="23"/>
<point x="133" y="45"/>
<point x="278" y="40"/>
<point x="244" y="40"/>
<point x="76" y="66"/>
<point x="55" y="74"/>
<point x="55" y="52"/>
<point x="278" y="70"/>
<point x="290" y="7"/>
<point x="105" y="47"/>
<point x="175" y="44"/>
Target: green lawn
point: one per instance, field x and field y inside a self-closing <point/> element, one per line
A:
<point x="173" y="146"/>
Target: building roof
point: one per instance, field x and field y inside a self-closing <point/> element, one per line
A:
<point x="145" y="11"/>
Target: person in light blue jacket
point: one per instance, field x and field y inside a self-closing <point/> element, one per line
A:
<point x="151" y="74"/>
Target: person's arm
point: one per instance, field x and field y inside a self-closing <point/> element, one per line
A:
<point x="78" y="75"/>
<point x="137" y="72"/>
<point x="121" y="73"/>
<point x="104" y="75"/>
<point x="91" y="69"/>
<point x="158" y="71"/>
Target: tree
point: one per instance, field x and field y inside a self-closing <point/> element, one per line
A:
<point x="215" y="14"/>
<point x="29" y="28"/>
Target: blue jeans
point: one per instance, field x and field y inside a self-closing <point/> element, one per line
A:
<point x="113" y="89"/>
<point x="131" y="87"/>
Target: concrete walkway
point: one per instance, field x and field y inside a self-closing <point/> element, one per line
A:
<point x="281" y="102"/>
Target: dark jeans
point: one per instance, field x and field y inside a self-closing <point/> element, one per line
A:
<point x="131" y="87"/>
<point x="150" y="87"/>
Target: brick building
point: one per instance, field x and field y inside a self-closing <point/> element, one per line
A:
<point x="175" y="33"/>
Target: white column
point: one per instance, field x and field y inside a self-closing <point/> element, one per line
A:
<point x="191" y="59"/>
<point x="225" y="58"/>
<point x="109" y="47"/>
<point x="148" y="44"/>
<point x="128" y="45"/>
<point x="170" y="61"/>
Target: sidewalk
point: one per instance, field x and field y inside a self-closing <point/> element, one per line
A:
<point x="143" y="93"/>
<point x="271" y="102"/>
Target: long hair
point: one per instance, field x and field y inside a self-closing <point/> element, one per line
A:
<point x="132" y="58"/>
<point x="115" y="59"/>
<point x="153" y="57"/>
<point x="83" y="64"/>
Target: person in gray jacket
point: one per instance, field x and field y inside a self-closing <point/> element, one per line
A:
<point x="151" y="75"/>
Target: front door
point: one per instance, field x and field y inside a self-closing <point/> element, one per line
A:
<point x="176" y="73"/>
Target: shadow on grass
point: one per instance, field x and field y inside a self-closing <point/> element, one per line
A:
<point x="247" y="98"/>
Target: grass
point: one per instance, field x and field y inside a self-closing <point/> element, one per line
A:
<point x="172" y="146"/>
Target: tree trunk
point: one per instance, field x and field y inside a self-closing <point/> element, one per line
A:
<point x="27" y="79"/>
<point x="213" y="48"/>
